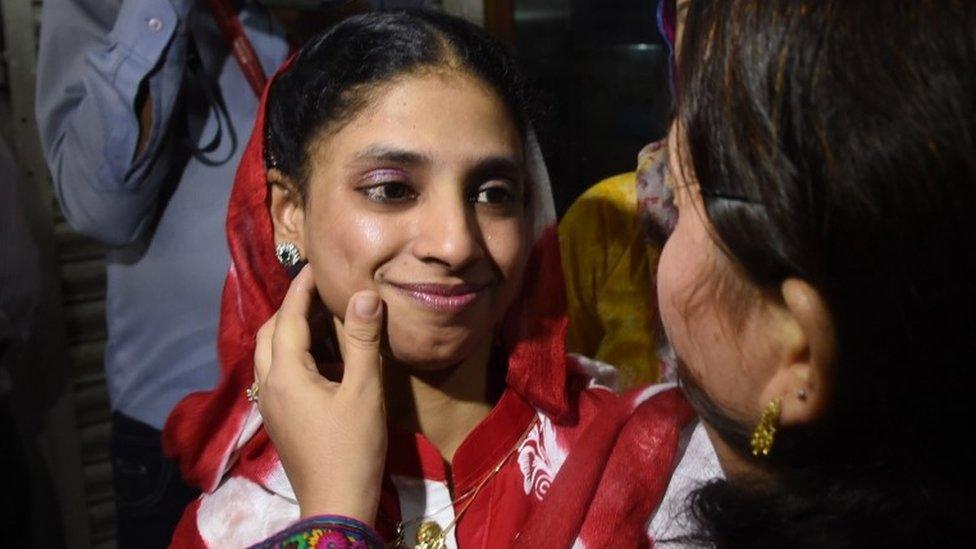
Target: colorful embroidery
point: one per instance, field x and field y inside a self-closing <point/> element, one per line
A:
<point x="654" y="197"/>
<point x="328" y="532"/>
<point x="317" y="538"/>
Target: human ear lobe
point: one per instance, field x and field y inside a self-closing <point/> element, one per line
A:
<point x="803" y="382"/>
<point x="287" y="210"/>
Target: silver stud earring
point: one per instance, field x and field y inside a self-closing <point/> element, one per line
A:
<point x="290" y="258"/>
<point x="801" y="394"/>
<point x="288" y="254"/>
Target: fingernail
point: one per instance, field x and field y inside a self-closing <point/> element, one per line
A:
<point x="367" y="305"/>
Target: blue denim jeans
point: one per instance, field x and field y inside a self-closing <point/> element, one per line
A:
<point x="150" y="495"/>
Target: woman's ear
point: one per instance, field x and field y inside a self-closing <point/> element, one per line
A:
<point x="287" y="210"/>
<point x="802" y="379"/>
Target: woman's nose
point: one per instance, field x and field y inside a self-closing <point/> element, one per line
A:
<point x="448" y="233"/>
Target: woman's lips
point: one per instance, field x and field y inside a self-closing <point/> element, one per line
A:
<point x="448" y="298"/>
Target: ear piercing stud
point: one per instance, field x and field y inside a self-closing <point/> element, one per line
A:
<point x="290" y="258"/>
<point x="288" y="254"/>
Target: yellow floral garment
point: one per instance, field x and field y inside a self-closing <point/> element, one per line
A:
<point x="607" y="266"/>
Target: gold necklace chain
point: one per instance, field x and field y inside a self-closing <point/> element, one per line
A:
<point x="430" y="535"/>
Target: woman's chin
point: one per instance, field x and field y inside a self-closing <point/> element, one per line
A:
<point x="431" y="352"/>
<point x="424" y="360"/>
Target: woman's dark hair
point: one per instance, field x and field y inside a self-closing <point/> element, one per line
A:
<point x="835" y="141"/>
<point x="334" y="75"/>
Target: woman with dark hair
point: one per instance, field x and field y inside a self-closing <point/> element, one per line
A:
<point x="393" y="153"/>
<point x="818" y="284"/>
<point x="821" y="280"/>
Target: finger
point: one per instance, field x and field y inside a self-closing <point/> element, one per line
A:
<point x="361" y="341"/>
<point x="292" y="339"/>
<point x="262" y="350"/>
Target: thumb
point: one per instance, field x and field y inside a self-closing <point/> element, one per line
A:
<point x="361" y="334"/>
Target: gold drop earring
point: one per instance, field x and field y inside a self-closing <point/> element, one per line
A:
<point x="765" y="433"/>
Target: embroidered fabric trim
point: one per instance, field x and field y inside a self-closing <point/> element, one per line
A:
<point x="324" y="532"/>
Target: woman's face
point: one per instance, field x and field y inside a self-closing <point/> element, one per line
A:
<point x="709" y="342"/>
<point x="718" y="324"/>
<point x="742" y="345"/>
<point x="421" y="197"/>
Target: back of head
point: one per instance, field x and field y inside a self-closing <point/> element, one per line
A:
<point x="835" y="142"/>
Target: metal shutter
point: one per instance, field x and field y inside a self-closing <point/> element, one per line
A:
<point x="71" y="330"/>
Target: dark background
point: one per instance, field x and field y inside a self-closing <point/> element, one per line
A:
<point x="602" y="68"/>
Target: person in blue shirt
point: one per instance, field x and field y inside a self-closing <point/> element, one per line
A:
<point x="143" y="113"/>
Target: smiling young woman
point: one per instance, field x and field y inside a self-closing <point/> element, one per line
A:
<point x="395" y="155"/>
<point x="421" y="198"/>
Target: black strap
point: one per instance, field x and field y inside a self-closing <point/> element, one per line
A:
<point x="215" y="103"/>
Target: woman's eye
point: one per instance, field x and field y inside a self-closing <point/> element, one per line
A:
<point x="494" y="194"/>
<point x="389" y="192"/>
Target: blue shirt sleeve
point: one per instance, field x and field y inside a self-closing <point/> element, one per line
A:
<point x="94" y="57"/>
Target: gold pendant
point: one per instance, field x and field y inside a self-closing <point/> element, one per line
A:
<point x="430" y="536"/>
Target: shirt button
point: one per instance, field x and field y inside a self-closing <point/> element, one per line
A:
<point x="155" y="24"/>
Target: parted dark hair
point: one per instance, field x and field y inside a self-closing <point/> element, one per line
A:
<point x="335" y="75"/>
<point x="835" y="141"/>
